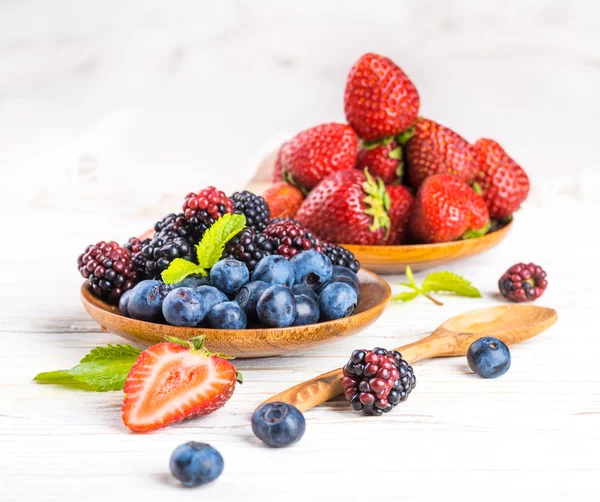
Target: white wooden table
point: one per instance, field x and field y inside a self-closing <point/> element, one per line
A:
<point x="533" y="432"/>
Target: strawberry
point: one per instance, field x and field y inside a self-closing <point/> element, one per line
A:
<point x="446" y="209"/>
<point x="283" y="153"/>
<point x="504" y="184"/>
<point x="435" y="149"/>
<point x="384" y="158"/>
<point x="283" y="200"/>
<point x="174" y="380"/>
<point x="380" y="100"/>
<point x="347" y="206"/>
<point x="313" y="154"/>
<point x="401" y="204"/>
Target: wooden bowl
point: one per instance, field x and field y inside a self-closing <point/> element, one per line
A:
<point x="394" y="259"/>
<point x="375" y="294"/>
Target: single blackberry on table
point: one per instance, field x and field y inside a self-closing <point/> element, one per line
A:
<point x="253" y="207"/>
<point x="289" y="238"/>
<point x="206" y="206"/>
<point x="375" y="381"/>
<point x="158" y="254"/>
<point x="341" y="256"/>
<point x="109" y="269"/>
<point x="248" y="247"/>
<point x="523" y="283"/>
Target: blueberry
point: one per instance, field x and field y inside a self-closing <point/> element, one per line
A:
<point x="337" y="300"/>
<point x="211" y="296"/>
<point x="311" y="268"/>
<point x="229" y="275"/>
<point x="184" y="307"/>
<point x="123" y="302"/>
<point x="193" y="281"/>
<point x="307" y="310"/>
<point x="339" y="271"/>
<point x="276" y="308"/>
<point x="227" y="315"/>
<point x="345" y="280"/>
<point x="196" y="464"/>
<point x="303" y="289"/>
<point x="248" y="297"/>
<point x="489" y="357"/>
<point x="145" y="302"/>
<point x="274" y="270"/>
<point x="278" y="424"/>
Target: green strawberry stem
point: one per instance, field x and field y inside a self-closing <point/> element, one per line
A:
<point x="404" y="136"/>
<point x="473" y="233"/>
<point x="378" y="201"/>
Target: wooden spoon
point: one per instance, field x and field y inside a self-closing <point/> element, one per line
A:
<point x="509" y="323"/>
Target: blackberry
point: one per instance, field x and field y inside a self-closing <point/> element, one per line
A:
<point x="375" y="381"/>
<point x="135" y="245"/>
<point x="523" y="283"/>
<point x="158" y="254"/>
<point x="191" y="229"/>
<point x="289" y="238"/>
<point x="341" y="256"/>
<point x="109" y="269"/>
<point x="206" y="206"/>
<point x="253" y="207"/>
<point x="248" y="247"/>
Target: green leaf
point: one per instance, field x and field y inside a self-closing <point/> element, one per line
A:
<point x="411" y="277"/>
<point x="103" y="369"/>
<point x="179" y="269"/>
<point x="406" y="296"/>
<point x="213" y="243"/>
<point x="447" y="282"/>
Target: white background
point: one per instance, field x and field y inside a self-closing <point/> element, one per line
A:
<point x="111" y="111"/>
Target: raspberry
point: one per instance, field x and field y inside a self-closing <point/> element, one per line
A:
<point x="377" y="380"/>
<point x="109" y="269"/>
<point x="523" y="283"/>
<point x="248" y="247"/>
<point x="341" y="256"/>
<point x="253" y="207"/>
<point x="206" y="206"/>
<point x="289" y="238"/>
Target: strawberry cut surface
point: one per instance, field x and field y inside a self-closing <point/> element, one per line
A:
<point x="170" y="382"/>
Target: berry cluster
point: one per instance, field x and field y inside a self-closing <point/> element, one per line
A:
<point x="249" y="248"/>
<point x="523" y="283"/>
<point x="341" y="256"/>
<point x="377" y="380"/>
<point x="253" y="207"/>
<point x="207" y="206"/>
<point x="290" y="238"/>
<point x="109" y="269"/>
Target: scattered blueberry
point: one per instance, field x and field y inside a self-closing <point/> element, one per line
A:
<point x="337" y="300"/>
<point x="303" y="289"/>
<point x="248" y="297"/>
<point x="145" y="302"/>
<point x="307" y="310"/>
<point x="489" y="357"/>
<point x="196" y="464"/>
<point x="274" y="270"/>
<point x="193" y="281"/>
<point x="311" y="268"/>
<point x="184" y="307"/>
<point x="211" y="296"/>
<point x="278" y="424"/>
<point x="276" y="307"/>
<point x="227" y="315"/>
<point x="123" y="301"/>
<point x="229" y="275"/>
<point x="339" y="271"/>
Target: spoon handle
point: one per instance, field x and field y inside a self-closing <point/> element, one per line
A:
<point x="316" y="391"/>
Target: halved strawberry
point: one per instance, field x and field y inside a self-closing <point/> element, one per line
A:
<point x="175" y="380"/>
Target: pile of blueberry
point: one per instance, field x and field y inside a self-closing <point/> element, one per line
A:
<point x="306" y="289"/>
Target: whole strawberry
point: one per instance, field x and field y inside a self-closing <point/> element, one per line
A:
<point x="313" y="154"/>
<point x="383" y="160"/>
<point x="282" y="153"/>
<point x="401" y="204"/>
<point x="504" y="184"/>
<point x="447" y="209"/>
<point x="283" y="200"/>
<point x="380" y="100"/>
<point x="435" y="149"/>
<point x="347" y="206"/>
<point x="175" y="380"/>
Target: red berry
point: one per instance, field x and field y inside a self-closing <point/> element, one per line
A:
<point x="207" y="206"/>
<point x="289" y="238"/>
<point x="522" y="283"/>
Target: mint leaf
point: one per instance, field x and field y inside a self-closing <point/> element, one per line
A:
<point x="103" y="369"/>
<point x="406" y="296"/>
<point x="447" y="282"/>
<point x="213" y="242"/>
<point x="411" y="277"/>
<point x="179" y="269"/>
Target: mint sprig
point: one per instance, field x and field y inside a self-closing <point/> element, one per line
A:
<point x="103" y="369"/>
<point x="436" y="282"/>
<point x="208" y="251"/>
